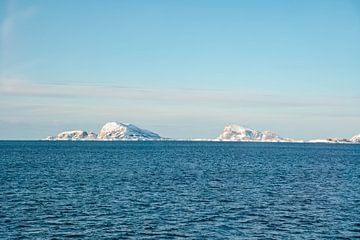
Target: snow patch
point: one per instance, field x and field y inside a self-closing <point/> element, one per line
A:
<point x="238" y="133"/>
<point x="355" y="139"/>
<point x="124" y="131"/>
<point x="73" y="135"/>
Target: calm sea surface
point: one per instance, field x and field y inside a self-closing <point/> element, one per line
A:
<point x="170" y="190"/>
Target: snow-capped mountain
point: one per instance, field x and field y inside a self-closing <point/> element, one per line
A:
<point x="129" y="132"/>
<point x="122" y="131"/>
<point x="74" y="135"/>
<point x="355" y="139"/>
<point x="238" y="133"/>
<point x="110" y="131"/>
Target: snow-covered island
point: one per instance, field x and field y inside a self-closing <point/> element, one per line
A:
<point x="355" y="139"/>
<point x="124" y="131"/>
<point x="238" y="133"/>
<point x="113" y="131"/>
<point x="110" y="131"/>
<point x="242" y="134"/>
<point x="74" y="135"/>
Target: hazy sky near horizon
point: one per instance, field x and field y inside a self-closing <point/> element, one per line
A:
<point x="181" y="68"/>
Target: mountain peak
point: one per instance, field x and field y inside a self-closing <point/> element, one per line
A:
<point x="355" y="139"/>
<point x="74" y="135"/>
<point x="110" y="131"/>
<point x="125" y="131"/>
<point x="235" y="132"/>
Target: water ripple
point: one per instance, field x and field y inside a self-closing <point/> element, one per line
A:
<point x="176" y="190"/>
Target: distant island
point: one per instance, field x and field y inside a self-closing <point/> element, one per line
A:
<point x="116" y="131"/>
<point x="110" y="131"/>
<point x="238" y="133"/>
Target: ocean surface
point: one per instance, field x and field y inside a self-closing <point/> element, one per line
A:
<point x="175" y="190"/>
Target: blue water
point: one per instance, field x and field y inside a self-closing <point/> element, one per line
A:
<point x="170" y="190"/>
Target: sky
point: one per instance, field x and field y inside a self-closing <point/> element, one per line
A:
<point x="181" y="68"/>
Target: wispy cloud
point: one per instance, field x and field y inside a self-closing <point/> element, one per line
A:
<point x="11" y="87"/>
<point x="72" y="105"/>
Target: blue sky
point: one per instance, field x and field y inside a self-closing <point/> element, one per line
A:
<point x="181" y="68"/>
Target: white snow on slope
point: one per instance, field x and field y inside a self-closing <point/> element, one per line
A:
<point x="123" y="131"/>
<point x="238" y="133"/>
<point x="355" y="139"/>
<point x="74" y="135"/>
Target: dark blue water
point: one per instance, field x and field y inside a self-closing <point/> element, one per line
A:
<point x="169" y="190"/>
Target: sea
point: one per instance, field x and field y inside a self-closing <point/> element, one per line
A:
<point x="178" y="190"/>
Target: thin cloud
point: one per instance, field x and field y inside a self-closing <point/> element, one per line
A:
<point x="173" y="96"/>
<point x="25" y="101"/>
